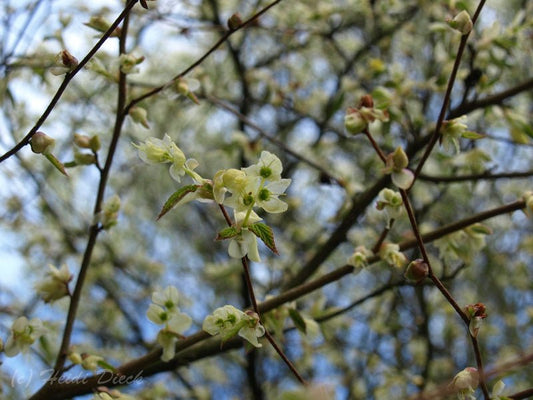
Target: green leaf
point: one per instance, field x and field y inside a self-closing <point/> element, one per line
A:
<point x="265" y="233"/>
<point x="175" y="198"/>
<point x="472" y="135"/>
<point x="298" y="321"/>
<point x="227" y="233"/>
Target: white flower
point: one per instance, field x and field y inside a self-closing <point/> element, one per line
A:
<point x="55" y="285"/>
<point x="267" y="196"/>
<point x="164" y="310"/>
<point x="359" y="258"/>
<point x="23" y="334"/>
<point x="391" y="254"/>
<point x="244" y="244"/>
<point x="155" y="151"/>
<point x="465" y="382"/>
<point x="268" y="167"/>
<point x="390" y="201"/>
<point x="229" y="321"/>
<point x="168" y="297"/>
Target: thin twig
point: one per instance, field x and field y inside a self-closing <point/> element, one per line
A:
<point x="447" y="96"/>
<point x="68" y="77"/>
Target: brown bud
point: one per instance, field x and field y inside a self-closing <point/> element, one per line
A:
<point x="366" y="101"/>
<point x="417" y="270"/>
<point x="234" y="21"/>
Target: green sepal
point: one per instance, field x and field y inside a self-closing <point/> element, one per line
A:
<point x="175" y="198"/>
<point x="297" y="320"/>
<point x="265" y="233"/>
<point x="227" y="233"/>
<point x="56" y="163"/>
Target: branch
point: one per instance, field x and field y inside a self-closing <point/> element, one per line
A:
<point x="68" y="77"/>
<point x="495" y="99"/>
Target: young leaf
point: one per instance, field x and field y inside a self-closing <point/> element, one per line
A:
<point x="298" y="321"/>
<point x="472" y="135"/>
<point x="175" y="198"/>
<point x="227" y="233"/>
<point x="265" y="233"/>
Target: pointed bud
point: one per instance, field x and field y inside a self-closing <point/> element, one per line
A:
<point x="417" y="270"/>
<point x="41" y="143"/>
<point x="234" y="21"/>
<point x="399" y="159"/>
<point x="140" y="116"/>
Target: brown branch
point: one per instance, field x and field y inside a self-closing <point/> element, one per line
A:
<point x="68" y="77"/>
<point x="487" y="175"/>
<point x="495" y="99"/>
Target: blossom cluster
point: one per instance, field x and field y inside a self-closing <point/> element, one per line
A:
<point x="245" y="190"/>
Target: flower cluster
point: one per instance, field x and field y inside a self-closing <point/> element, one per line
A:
<point x="229" y="321"/>
<point x="259" y="185"/>
<point x="245" y="190"/>
<point x="24" y="333"/>
<point x="164" y="311"/>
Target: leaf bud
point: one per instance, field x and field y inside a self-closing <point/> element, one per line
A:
<point x="399" y="159"/>
<point x="234" y="21"/>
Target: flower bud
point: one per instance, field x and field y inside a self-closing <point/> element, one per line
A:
<point x="467" y="379"/>
<point x="140" y="116"/>
<point x="41" y="143"/>
<point x="82" y="141"/>
<point x="234" y="21"/>
<point x="94" y="143"/>
<point x="98" y="23"/>
<point x="354" y="121"/>
<point x="462" y="22"/>
<point x="64" y="63"/>
<point x="182" y="87"/>
<point x="417" y="270"/>
<point x="399" y="159"/>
